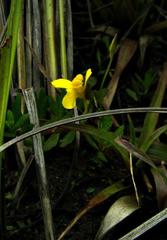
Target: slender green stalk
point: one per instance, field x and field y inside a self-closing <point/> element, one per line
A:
<point x="6" y="68"/>
<point x="63" y="54"/>
<point x="70" y="48"/>
<point x="37" y="43"/>
<point x="3" y="26"/>
<point x="49" y="40"/>
<point x="112" y="50"/>
<point x="21" y="59"/>
<point x="29" y="39"/>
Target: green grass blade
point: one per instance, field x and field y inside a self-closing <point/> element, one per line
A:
<point x="63" y="56"/>
<point x="49" y="40"/>
<point x="7" y="59"/>
<point x="7" y="54"/>
<point x="156" y="134"/>
<point x="151" y="119"/>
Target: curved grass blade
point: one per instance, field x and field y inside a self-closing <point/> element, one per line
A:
<point x="79" y="118"/>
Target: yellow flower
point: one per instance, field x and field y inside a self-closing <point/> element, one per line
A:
<point x="75" y="88"/>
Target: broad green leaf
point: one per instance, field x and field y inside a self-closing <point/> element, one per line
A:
<point x="22" y="121"/>
<point x="119" y="131"/>
<point x="68" y="139"/>
<point x="51" y="142"/>
<point x="10" y="119"/>
<point x="106" y="137"/>
<point x="105" y="122"/>
<point x="42" y="103"/>
<point x="101" y="156"/>
<point x="158" y="152"/>
<point x="91" y="141"/>
<point x="149" y="78"/>
<point x="132" y="94"/>
<point x="16" y="107"/>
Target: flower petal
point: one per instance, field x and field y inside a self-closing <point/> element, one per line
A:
<point x="62" y="83"/>
<point x="88" y="74"/>
<point x="69" y="100"/>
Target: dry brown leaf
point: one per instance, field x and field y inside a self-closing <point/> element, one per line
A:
<point x="126" y="52"/>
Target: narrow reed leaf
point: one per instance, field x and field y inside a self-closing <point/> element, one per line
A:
<point x="151" y="119"/>
<point x="29" y="40"/>
<point x="6" y="68"/>
<point x="156" y="134"/>
<point x="36" y="43"/>
<point x="49" y="40"/>
<point x="69" y="40"/>
<point x="63" y="54"/>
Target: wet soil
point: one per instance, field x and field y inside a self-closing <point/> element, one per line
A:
<point x="68" y="195"/>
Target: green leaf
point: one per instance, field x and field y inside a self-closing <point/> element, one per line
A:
<point x="7" y="59"/>
<point x="101" y="156"/>
<point x="156" y="134"/>
<point x="99" y="95"/>
<point x="105" y="122"/>
<point x="22" y="121"/>
<point x="9" y="119"/>
<point x="139" y="154"/>
<point x="149" y="78"/>
<point x="68" y="139"/>
<point x="16" y="107"/>
<point x="104" y="136"/>
<point x="51" y="142"/>
<point x="119" y="131"/>
<point x="42" y="103"/>
<point x="91" y="141"/>
<point x="132" y="130"/>
<point x="158" y="151"/>
<point x="57" y="109"/>
<point x="151" y="119"/>
<point x="132" y="94"/>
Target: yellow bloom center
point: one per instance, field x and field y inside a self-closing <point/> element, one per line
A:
<point x="77" y="82"/>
